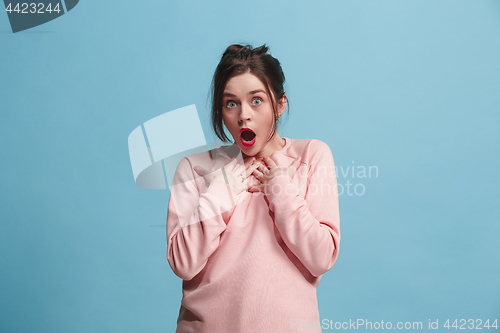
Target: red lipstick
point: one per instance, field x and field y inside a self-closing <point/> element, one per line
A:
<point x="247" y="136"/>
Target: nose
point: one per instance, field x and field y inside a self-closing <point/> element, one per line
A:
<point x="244" y="113"/>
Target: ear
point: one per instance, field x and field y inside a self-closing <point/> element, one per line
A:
<point x="282" y="105"/>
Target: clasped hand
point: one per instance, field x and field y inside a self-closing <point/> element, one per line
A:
<point x="252" y="176"/>
<point x="265" y="173"/>
<point x="239" y="176"/>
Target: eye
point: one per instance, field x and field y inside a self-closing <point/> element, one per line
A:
<point x="231" y="104"/>
<point x="257" y="99"/>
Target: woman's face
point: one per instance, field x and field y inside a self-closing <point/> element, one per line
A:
<point x="246" y="105"/>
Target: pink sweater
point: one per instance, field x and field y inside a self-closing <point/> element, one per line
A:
<point x="252" y="262"/>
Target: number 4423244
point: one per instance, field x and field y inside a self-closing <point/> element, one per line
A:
<point x="23" y="8"/>
<point x="470" y="324"/>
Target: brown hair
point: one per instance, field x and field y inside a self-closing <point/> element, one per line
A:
<point x="241" y="59"/>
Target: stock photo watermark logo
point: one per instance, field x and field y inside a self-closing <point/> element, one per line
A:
<point x="25" y="15"/>
<point x="352" y="178"/>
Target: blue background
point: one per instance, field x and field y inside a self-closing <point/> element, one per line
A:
<point x="411" y="87"/>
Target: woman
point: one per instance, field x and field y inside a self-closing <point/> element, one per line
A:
<point x="252" y="227"/>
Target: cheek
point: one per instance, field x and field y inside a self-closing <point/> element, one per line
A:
<point x="266" y="120"/>
<point x="228" y="122"/>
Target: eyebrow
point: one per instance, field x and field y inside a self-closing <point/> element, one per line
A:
<point x="250" y="93"/>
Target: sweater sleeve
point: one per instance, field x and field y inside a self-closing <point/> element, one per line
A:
<point x="309" y="226"/>
<point x="195" y="220"/>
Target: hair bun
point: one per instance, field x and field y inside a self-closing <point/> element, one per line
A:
<point x="243" y="51"/>
<point x="233" y="49"/>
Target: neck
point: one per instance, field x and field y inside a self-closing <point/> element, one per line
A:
<point x="275" y="144"/>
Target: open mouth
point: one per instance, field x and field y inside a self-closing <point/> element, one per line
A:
<point x="247" y="137"/>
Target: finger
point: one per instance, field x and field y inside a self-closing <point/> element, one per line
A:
<point x="259" y="175"/>
<point x="263" y="169"/>
<point x="253" y="189"/>
<point x="245" y="172"/>
<point x="251" y="169"/>
<point x="253" y="181"/>
<point x="269" y="161"/>
<point x="256" y="188"/>
<point x="250" y="161"/>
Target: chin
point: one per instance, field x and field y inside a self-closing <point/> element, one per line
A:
<point x="248" y="151"/>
